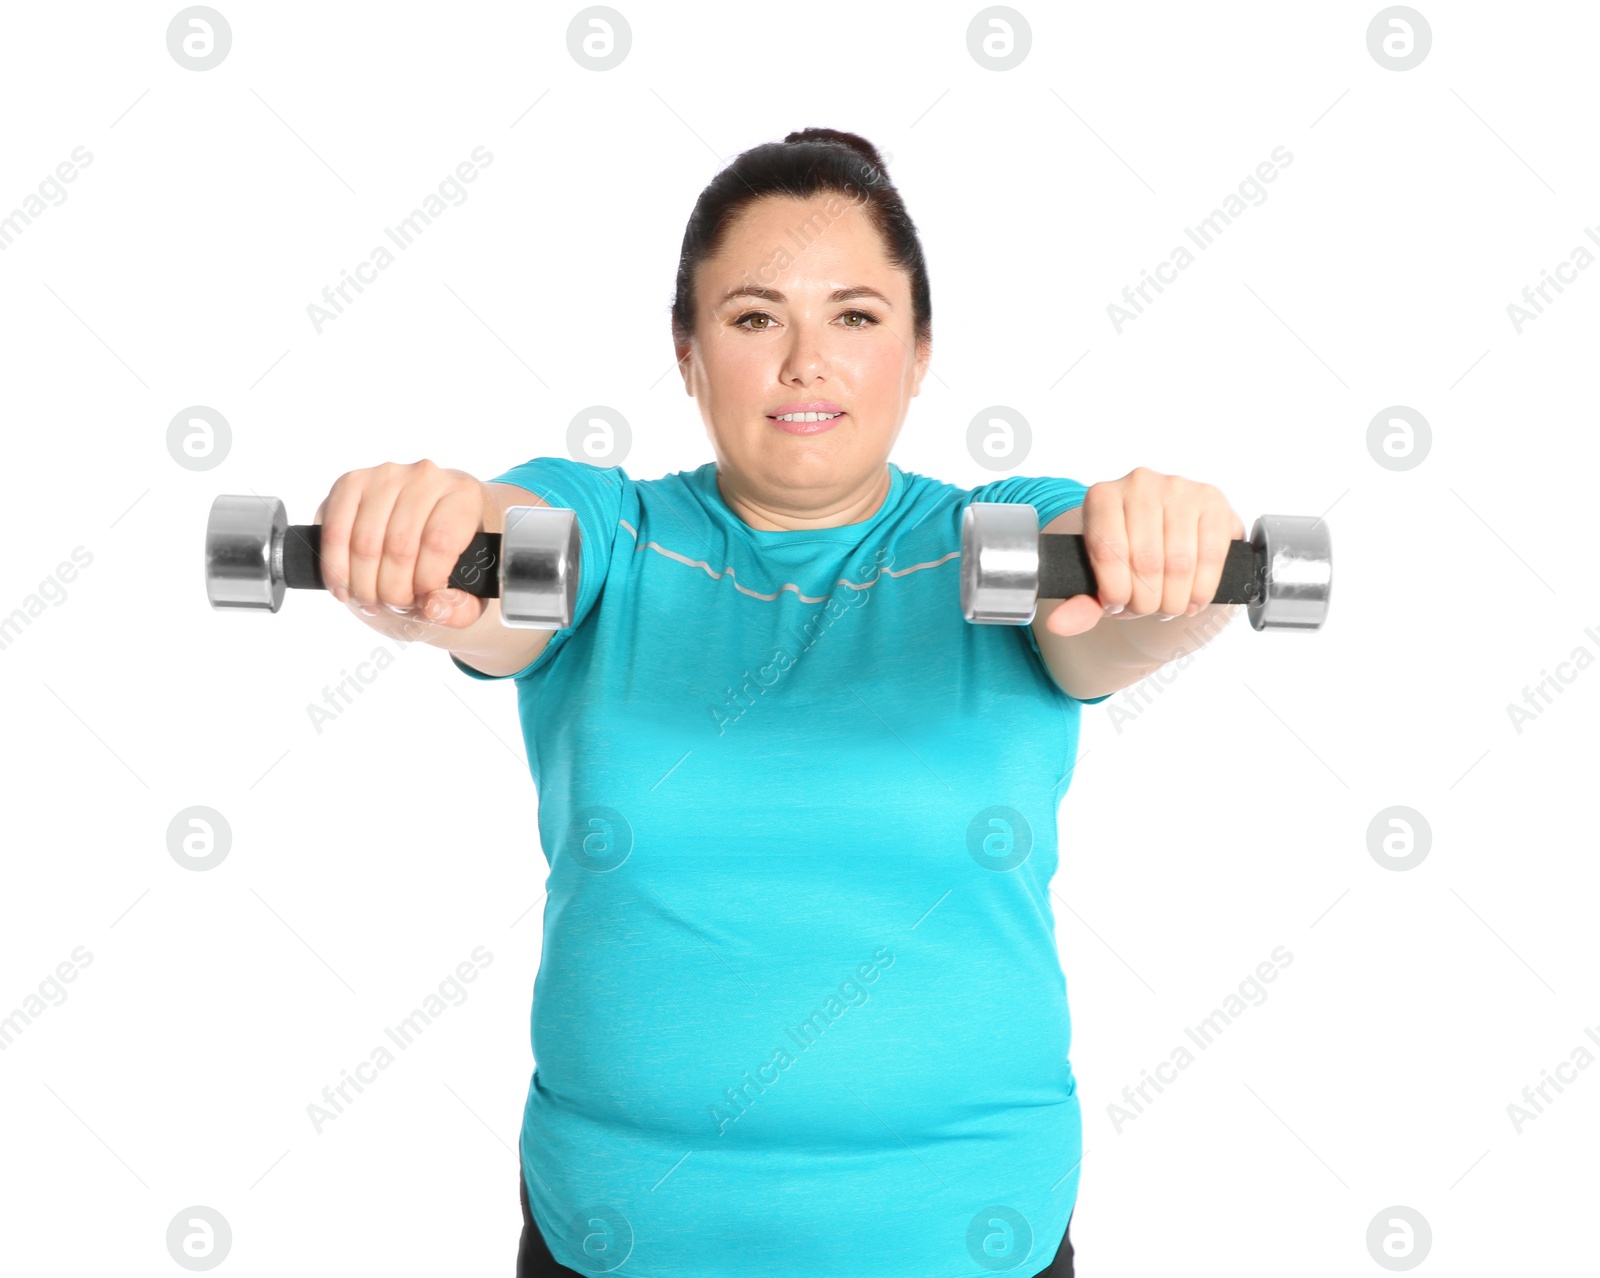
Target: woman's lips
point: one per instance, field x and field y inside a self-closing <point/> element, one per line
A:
<point x="806" y="428"/>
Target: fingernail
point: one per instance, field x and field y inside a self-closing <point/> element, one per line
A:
<point x="366" y="611"/>
<point x="395" y="608"/>
<point x="341" y="594"/>
<point x="1165" y="616"/>
<point x="1191" y="610"/>
<point x="1114" y="611"/>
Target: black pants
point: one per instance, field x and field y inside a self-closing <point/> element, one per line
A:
<point x="535" y="1261"/>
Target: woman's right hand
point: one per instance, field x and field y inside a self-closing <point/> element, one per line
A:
<point x="391" y="536"/>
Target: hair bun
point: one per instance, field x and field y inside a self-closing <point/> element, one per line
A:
<point x="854" y="141"/>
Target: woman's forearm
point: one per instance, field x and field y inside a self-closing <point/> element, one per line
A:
<point x="1117" y="654"/>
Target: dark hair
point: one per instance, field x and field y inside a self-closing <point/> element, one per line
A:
<point x="806" y="162"/>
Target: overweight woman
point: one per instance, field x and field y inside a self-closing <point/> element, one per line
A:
<point x="799" y="1008"/>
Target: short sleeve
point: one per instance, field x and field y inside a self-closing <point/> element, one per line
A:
<point x="1049" y="497"/>
<point x="595" y="494"/>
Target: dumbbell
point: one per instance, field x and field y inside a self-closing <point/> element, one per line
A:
<point x="1283" y="573"/>
<point x="253" y="553"/>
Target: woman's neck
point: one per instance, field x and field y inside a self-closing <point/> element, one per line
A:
<point x="854" y="508"/>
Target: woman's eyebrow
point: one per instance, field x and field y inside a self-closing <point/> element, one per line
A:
<point x="773" y="295"/>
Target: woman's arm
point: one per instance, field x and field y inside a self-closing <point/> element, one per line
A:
<point x="1156" y="544"/>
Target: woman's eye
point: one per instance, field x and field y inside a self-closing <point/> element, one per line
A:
<point x="743" y="320"/>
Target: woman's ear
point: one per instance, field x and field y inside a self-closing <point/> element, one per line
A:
<point x="924" y="355"/>
<point x="685" y="365"/>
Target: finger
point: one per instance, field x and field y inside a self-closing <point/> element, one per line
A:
<point x="1105" y="536"/>
<point x="449" y="530"/>
<point x="1074" y="616"/>
<point x="450" y="607"/>
<point x="336" y="514"/>
<point x="1181" y="522"/>
<point x="367" y="534"/>
<point x="402" y="539"/>
<point x="1217" y="524"/>
<point x="1146" y="551"/>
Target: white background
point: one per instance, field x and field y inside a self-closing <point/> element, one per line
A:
<point x="1228" y="818"/>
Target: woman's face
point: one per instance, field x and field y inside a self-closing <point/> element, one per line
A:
<point x="772" y="329"/>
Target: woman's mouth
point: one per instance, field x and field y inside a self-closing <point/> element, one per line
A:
<point x="805" y="423"/>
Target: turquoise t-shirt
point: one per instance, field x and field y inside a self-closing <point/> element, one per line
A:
<point x="799" y="1007"/>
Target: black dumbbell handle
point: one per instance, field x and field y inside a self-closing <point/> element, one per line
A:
<point x="1064" y="570"/>
<point x="477" y="571"/>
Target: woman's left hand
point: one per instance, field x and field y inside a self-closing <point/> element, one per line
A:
<point x="1156" y="544"/>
